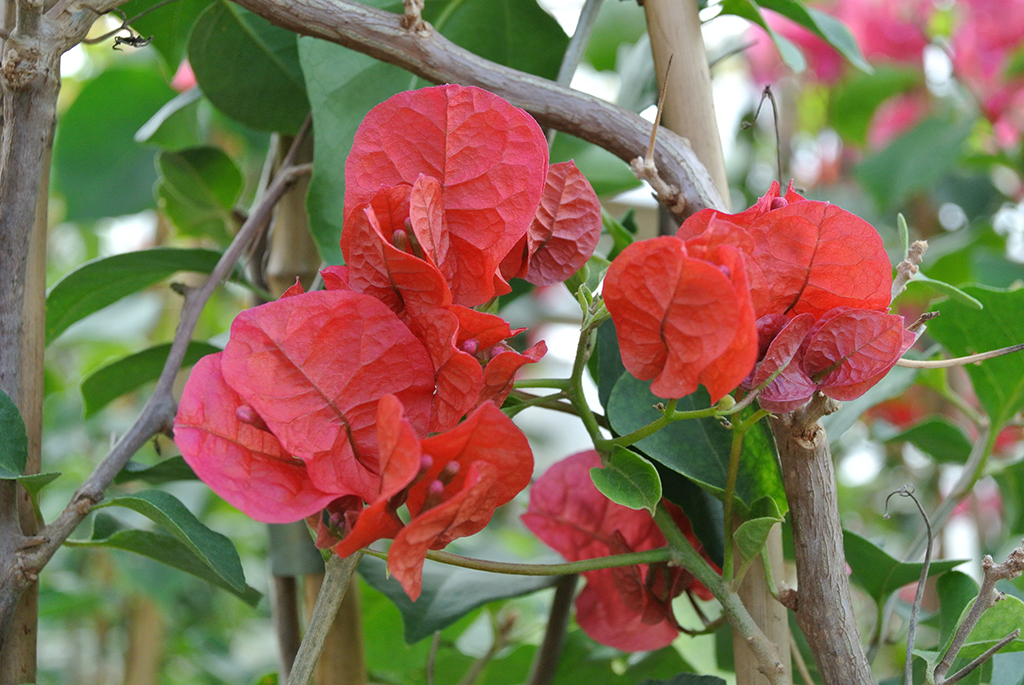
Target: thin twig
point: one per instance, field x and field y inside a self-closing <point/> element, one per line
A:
<point x="435" y="642"/>
<point x="982" y="658"/>
<point x="337" y="578"/>
<point x="126" y="23"/>
<point x="798" y="659"/>
<point x="908" y="672"/>
<point x="959" y="361"/>
<point x="767" y="94"/>
<point x="574" y="51"/>
<point x="906" y="269"/>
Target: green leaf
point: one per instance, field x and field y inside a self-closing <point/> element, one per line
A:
<point x="698" y="449"/>
<point x="997" y="622"/>
<point x="213" y="549"/>
<point x="608" y="368"/>
<point x="343" y="86"/>
<point x="198" y="189"/>
<point x="448" y="593"/>
<point x="915" y="161"/>
<point x="167" y="471"/>
<point x="175" y="126"/>
<point x="35" y="482"/>
<point x="825" y="26"/>
<point x="856" y="99"/>
<point x="629" y="479"/>
<point x="878" y="573"/>
<point x="169" y="25"/>
<point x="167" y="549"/>
<point x="204" y="176"/>
<point x="956" y="592"/>
<point x="619" y="24"/>
<point x="103" y="281"/>
<point x="97" y="165"/>
<point x="1008" y="669"/>
<point x="939" y="438"/>
<point x="752" y="533"/>
<point x="749" y="10"/>
<point x="13" y="439"/>
<point x="963" y="330"/>
<point x="248" y="68"/>
<point x="119" y="377"/>
<point x="519" y="33"/>
<point x="950" y="291"/>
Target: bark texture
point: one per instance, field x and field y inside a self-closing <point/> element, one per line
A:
<point x="824" y="610"/>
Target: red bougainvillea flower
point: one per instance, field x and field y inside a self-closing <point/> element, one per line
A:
<point x="473" y="363"/>
<point x="676" y="316"/>
<point x="843" y="355"/>
<point x="308" y="371"/>
<point x="383" y="243"/>
<point x="627" y="608"/>
<point x="801" y="255"/>
<point x="806" y="264"/>
<point x="488" y="162"/>
<point x="562" y="235"/>
<point x="451" y="484"/>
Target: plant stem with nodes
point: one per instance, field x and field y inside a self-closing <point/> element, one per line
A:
<point x="987" y="597"/>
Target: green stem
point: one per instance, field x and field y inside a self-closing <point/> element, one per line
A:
<point x="555" y="383"/>
<point x="526" y="401"/>
<point x="670" y="416"/>
<point x="337" y="575"/>
<point x="727" y="503"/>
<point x="684" y="554"/>
<point x="653" y="556"/>
<point x="588" y="337"/>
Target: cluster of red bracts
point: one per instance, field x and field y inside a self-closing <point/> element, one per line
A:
<point x="381" y="393"/>
<point x="731" y="299"/>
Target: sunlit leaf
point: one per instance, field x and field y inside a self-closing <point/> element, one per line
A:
<point x="964" y="330"/>
<point x="112" y="380"/>
<point x="170" y="550"/>
<point x="103" y="281"/>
